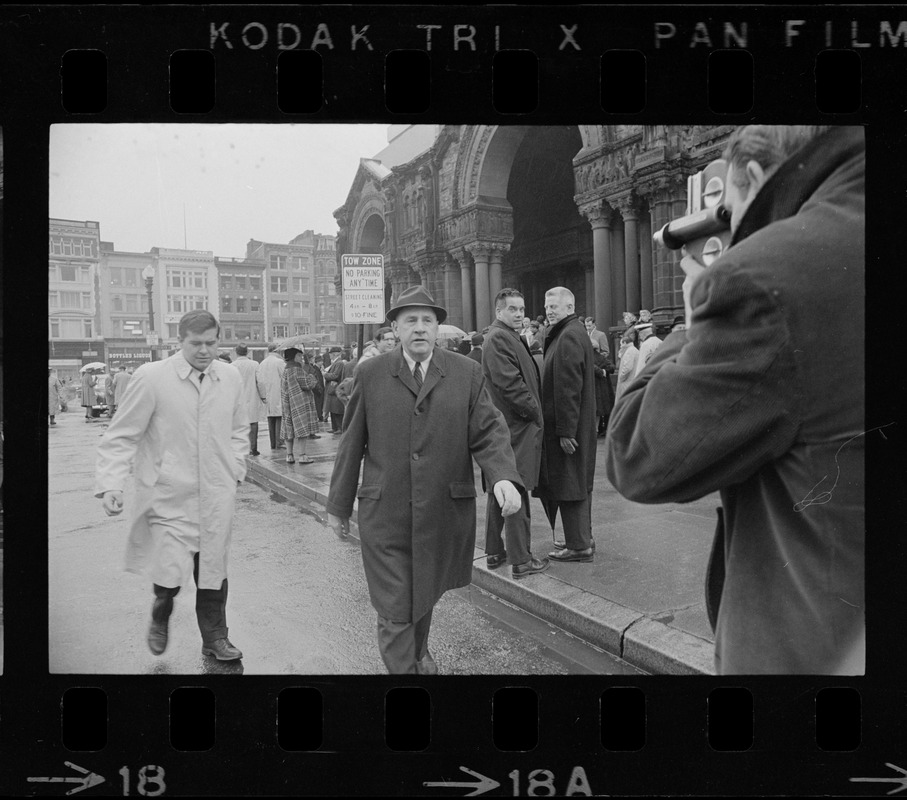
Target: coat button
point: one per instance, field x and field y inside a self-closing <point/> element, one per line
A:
<point x="415" y="456"/>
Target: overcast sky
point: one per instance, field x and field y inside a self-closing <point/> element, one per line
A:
<point x="237" y="182"/>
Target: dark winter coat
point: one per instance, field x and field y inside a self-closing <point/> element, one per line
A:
<point x="513" y="381"/>
<point x="749" y="401"/>
<point x="417" y="501"/>
<point x="568" y="405"/>
<point x="604" y="390"/>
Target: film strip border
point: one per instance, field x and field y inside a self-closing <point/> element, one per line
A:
<point x="302" y="63"/>
<point x="390" y="737"/>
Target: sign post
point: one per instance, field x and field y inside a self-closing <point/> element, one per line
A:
<point x="363" y="290"/>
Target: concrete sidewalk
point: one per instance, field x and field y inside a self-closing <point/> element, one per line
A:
<point x="642" y="598"/>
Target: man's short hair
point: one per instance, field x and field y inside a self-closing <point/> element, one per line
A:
<point x="272" y="346"/>
<point x="562" y="291"/>
<point x="197" y="321"/>
<point x="590" y="319"/>
<point x="242" y="350"/>
<point x="382" y="332"/>
<point x="768" y="145"/>
<point x="500" y="299"/>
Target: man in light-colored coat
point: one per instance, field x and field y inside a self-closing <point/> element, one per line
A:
<point x="513" y="382"/>
<point x="253" y="394"/>
<point x="183" y="423"/>
<point x="418" y="433"/>
<point x="269" y="372"/>
<point x="120" y="382"/>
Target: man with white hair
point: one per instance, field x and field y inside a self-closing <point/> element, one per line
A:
<point x="648" y="341"/>
<point x="568" y="410"/>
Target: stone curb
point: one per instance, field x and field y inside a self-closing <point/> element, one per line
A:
<point x="639" y="640"/>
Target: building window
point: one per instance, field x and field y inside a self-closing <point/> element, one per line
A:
<point x="68" y="273"/>
<point x="225" y="305"/>
<point x="226" y="282"/>
<point x="302" y="329"/>
<point x="227" y="334"/>
<point x="187" y="279"/>
<point x="278" y="262"/>
<point x="56" y="247"/>
<point x="301" y="285"/>
<point x="280" y="331"/>
<point x="87" y="328"/>
<point x="173" y="330"/>
<point x="181" y="303"/>
<point x="55" y="329"/>
<point x="255" y="305"/>
<point x="256" y="333"/>
<point x="132" y="302"/>
<point x="241" y="281"/>
<point x="240" y="305"/>
<point x="116" y="302"/>
<point x="278" y="284"/>
<point x="255" y="284"/>
<point x="280" y="308"/>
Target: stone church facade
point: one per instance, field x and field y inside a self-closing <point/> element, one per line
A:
<point x="531" y="207"/>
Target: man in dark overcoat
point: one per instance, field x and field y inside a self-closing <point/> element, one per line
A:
<point x="568" y="405"/>
<point x="418" y="415"/>
<point x="513" y="381"/>
<point x="748" y="400"/>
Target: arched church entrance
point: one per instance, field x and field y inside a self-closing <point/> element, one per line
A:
<point x="371" y="241"/>
<point x="552" y="242"/>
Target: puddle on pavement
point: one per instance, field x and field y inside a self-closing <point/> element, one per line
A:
<point x="306" y="509"/>
<point x="277" y="498"/>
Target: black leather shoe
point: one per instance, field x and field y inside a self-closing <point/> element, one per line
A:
<point x="566" y="554"/>
<point x="314" y="436"/>
<point x="495" y="561"/>
<point x="532" y="566"/>
<point x="157" y="637"/>
<point x="254" y="453"/>
<point x="222" y="650"/>
<point x="426" y="665"/>
<point x="563" y="545"/>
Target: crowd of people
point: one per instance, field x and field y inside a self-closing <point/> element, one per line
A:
<point x="739" y="397"/>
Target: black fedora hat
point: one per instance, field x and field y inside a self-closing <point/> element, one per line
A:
<point x="416" y="296"/>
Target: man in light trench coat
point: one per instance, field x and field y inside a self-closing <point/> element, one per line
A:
<point x="183" y="422"/>
<point x="252" y="393"/>
<point x="418" y="415"/>
<point x="269" y="372"/>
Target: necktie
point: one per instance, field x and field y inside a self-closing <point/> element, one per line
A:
<point x="417" y="374"/>
<point x="201" y="377"/>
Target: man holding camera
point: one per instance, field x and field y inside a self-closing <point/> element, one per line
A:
<point x="749" y="401"/>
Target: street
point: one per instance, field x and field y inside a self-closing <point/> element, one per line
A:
<point x="298" y="601"/>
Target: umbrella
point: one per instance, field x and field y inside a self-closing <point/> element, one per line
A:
<point x="301" y="340"/>
<point x="450" y="332"/>
<point x="93" y="366"/>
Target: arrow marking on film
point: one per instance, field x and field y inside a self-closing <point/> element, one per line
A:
<point x="87" y="782"/>
<point x="902" y="780"/>
<point x="485" y="784"/>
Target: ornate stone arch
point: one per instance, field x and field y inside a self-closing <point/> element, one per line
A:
<point x="369" y="205"/>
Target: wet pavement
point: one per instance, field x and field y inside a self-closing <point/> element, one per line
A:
<point x="298" y="602"/>
<point x="642" y="598"/>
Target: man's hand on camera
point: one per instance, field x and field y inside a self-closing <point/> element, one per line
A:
<point x="692" y="269"/>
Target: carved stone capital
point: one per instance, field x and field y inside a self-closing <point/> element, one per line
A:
<point x="598" y="214"/>
<point x="628" y="205"/>
<point x="461" y="256"/>
<point x="480" y="250"/>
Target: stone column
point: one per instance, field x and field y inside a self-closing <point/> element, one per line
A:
<point x="495" y="280"/>
<point x="618" y="273"/>
<point x="599" y="216"/>
<point x="647" y="290"/>
<point x="630" y="214"/>
<point x="467" y="321"/>
<point x="589" y="307"/>
<point x="453" y="296"/>
<point x="480" y="254"/>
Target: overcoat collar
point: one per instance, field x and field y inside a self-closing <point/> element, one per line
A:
<point x="555" y="330"/>
<point x="437" y="370"/>
<point x="184" y="368"/>
<point x="515" y="334"/>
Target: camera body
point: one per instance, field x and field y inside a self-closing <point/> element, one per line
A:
<point x="705" y="229"/>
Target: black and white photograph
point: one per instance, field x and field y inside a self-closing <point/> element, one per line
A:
<point x="362" y="399"/>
